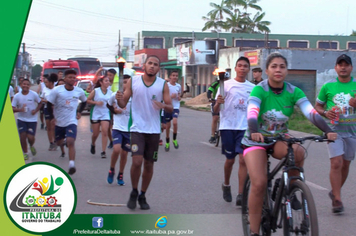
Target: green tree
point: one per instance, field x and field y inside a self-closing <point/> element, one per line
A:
<point x="257" y="25"/>
<point x="36" y="71"/>
<point x="214" y="17"/>
<point x="353" y="33"/>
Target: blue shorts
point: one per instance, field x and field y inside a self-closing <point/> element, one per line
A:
<point x="47" y="115"/>
<point x="28" y="127"/>
<point x="169" y="116"/>
<point x="231" y="142"/>
<point x="123" y="138"/>
<point x="163" y="120"/>
<point x="69" y="131"/>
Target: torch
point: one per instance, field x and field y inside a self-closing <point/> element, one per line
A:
<point x="221" y="77"/>
<point x="121" y="62"/>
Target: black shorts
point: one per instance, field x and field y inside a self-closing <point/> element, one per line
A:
<point x="145" y="145"/>
<point x="212" y="109"/>
<point x="98" y="121"/>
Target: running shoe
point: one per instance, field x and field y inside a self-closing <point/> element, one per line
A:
<point x="50" y="147"/>
<point x="142" y="201"/>
<point x="175" y="144"/>
<point x="55" y="146"/>
<point x="131" y="204"/>
<point x="337" y="206"/>
<point x="110" y="178"/>
<point x="238" y="199"/>
<point x="166" y="148"/>
<point x="103" y="155"/>
<point x="110" y="145"/>
<point x="25" y="156"/>
<point x="226" y="193"/>
<point x="120" y="180"/>
<point x="72" y="170"/>
<point x="160" y="142"/>
<point x="92" y="149"/>
<point x="33" y="151"/>
<point x="62" y="155"/>
<point x="212" y="140"/>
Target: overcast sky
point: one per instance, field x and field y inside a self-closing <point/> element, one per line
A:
<point x="60" y="29"/>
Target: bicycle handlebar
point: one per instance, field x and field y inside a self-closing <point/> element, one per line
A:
<point x="292" y="140"/>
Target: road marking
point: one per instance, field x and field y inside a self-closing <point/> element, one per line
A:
<point x="316" y="186"/>
<point x="209" y="144"/>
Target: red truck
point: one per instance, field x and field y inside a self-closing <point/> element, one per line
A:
<point x="54" y="66"/>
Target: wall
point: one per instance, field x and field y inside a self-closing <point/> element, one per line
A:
<point x="228" y="58"/>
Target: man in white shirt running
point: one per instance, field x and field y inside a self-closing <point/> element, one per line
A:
<point x="147" y="92"/>
<point x="233" y="124"/>
<point x="65" y="101"/>
<point x="27" y="103"/>
<point x="175" y="91"/>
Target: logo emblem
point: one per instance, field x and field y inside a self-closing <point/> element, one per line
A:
<point x="39" y="197"/>
<point x="161" y="222"/>
<point x="134" y="148"/>
<point x="97" y="222"/>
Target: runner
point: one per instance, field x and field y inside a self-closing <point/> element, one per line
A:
<point x="147" y="92"/>
<point x="175" y="91"/>
<point x="27" y="103"/>
<point x="50" y="122"/>
<point x="40" y="89"/>
<point x="121" y="136"/>
<point x="64" y="98"/>
<point x="99" y="113"/>
<point x="211" y="96"/>
<point x="11" y="92"/>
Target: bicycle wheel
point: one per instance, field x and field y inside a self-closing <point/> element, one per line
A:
<point x="265" y="218"/>
<point x="217" y="138"/>
<point x="302" y="218"/>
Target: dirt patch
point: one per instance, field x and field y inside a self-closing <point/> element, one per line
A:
<point x="201" y="99"/>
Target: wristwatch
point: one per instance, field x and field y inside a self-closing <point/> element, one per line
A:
<point x="324" y="113"/>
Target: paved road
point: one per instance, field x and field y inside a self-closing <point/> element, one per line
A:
<point x="188" y="180"/>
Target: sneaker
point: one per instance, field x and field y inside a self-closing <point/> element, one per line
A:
<point x="160" y="142"/>
<point x="227" y="193"/>
<point x="110" y="145"/>
<point x="25" y="156"/>
<point x="142" y="201"/>
<point x="131" y="204"/>
<point x="110" y="178"/>
<point x="55" y="146"/>
<point x="42" y="126"/>
<point x="50" y="147"/>
<point x="166" y="148"/>
<point x="62" y="155"/>
<point x="92" y="149"/>
<point x="103" y="155"/>
<point x="72" y="170"/>
<point x="212" y="140"/>
<point x="175" y="144"/>
<point x="238" y="199"/>
<point x="33" y="151"/>
<point x="331" y="196"/>
<point x="295" y="203"/>
<point x="338" y="207"/>
<point x="120" y="180"/>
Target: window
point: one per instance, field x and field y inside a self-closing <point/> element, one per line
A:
<point x="298" y="44"/>
<point x="222" y="41"/>
<point x="153" y="42"/>
<point x="255" y="43"/>
<point x="351" y="45"/>
<point x="181" y="40"/>
<point x="327" y="44"/>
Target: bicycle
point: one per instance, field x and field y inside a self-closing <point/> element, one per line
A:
<point x="277" y="210"/>
<point x="217" y="133"/>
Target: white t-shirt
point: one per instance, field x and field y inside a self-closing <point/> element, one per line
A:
<point x="175" y="89"/>
<point x="31" y="101"/>
<point x="11" y="91"/>
<point x="43" y="86"/>
<point x="100" y="112"/>
<point x="65" y="104"/>
<point x="45" y="94"/>
<point x="234" y="114"/>
<point x="19" y="89"/>
<point x="121" y="121"/>
<point x="145" y="117"/>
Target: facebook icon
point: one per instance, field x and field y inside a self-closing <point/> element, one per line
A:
<point x="98" y="222"/>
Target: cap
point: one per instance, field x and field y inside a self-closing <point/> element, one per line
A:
<point x="344" y="57"/>
<point x="257" y="69"/>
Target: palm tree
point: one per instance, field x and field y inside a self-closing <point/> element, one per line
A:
<point x="214" y="17"/>
<point x="353" y="33"/>
<point x="257" y="22"/>
<point x="233" y="23"/>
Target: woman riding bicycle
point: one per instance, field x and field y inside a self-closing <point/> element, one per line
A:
<point x="270" y="105"/>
